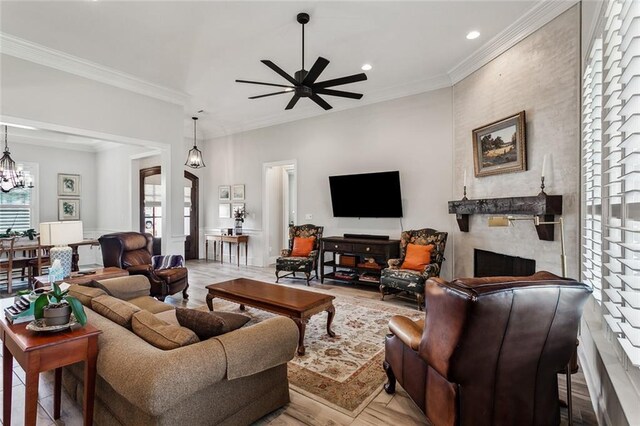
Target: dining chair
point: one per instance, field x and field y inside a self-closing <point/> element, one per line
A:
<point x="6" y="262"/>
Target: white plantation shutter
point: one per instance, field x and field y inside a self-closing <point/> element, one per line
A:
<point x="15" y="210"/>
<point x="618" y="173"/>
<point x="592" y="171"/>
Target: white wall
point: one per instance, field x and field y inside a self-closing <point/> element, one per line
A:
<point x="52" y="161"/>
<point x="540" y="75"/>
<point x="55" y="100"/>
<point x="412" y="135"/>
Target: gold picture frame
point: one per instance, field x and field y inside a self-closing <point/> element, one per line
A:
<point x="500" y="147"/>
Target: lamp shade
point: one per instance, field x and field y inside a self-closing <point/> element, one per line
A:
<point x="60" y="233"/>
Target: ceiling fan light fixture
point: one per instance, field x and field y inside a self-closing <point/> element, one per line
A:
<point x="366" y="67"/>
<point x="194" y="157"/>
<point x="473" y="35"/>
<point x="304" y="84"/>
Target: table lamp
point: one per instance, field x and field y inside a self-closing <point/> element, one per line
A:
<point x="59" y="235"/>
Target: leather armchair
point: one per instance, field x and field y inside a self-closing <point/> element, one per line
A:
<point x="306" y="265"/>
<point x="489" y="349"/>
<point x="395" y="279"/>
<point x="132" y="251"/>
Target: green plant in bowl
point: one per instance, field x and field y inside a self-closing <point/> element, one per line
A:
<point x="55" y="299"/>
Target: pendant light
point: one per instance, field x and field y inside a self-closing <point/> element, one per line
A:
<point x="11" y="177"/>
<point x="194" y="158"/>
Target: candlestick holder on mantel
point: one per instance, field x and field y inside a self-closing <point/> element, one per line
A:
<point x="542" y="186"/>
<point x="545" y="206"/>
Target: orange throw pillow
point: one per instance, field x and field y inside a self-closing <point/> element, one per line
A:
<point x="417" y="257"/>
<point x="302" y="246"/>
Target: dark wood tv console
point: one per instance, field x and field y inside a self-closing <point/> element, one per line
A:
<point x="360" y="272"/>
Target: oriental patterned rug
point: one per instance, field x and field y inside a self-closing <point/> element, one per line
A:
<point x="343" y="372"/>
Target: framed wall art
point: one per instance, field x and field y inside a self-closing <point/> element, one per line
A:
<point x="68" y="209"/>
<point x="500" y="147"/>
<point x="224" y="193"/>
<point x="237" y="193"/>
<point x="224" y="210"/>
<point x="68" y="185"/>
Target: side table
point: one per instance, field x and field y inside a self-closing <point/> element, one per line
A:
<point x="38" y="352"/>
<point x="229" y="239"/>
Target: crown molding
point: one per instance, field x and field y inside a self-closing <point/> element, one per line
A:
<point x="39" y="54"/>
<point x="541" y="14"/>
<point x="387" y="94"/>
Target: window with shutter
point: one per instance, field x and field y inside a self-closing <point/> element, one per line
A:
<point x="611" y="173"/>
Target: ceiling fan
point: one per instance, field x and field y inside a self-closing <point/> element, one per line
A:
<point x="303" y="84"/>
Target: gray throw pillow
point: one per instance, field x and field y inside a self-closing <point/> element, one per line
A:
<point x="209" y="324"/>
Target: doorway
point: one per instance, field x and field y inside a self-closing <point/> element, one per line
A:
<point x="279" y="205"/>
<point x="151" y="210"/>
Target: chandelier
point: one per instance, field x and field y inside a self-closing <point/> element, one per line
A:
<point x="194" y="158"/>
<point x="12" y="177"/>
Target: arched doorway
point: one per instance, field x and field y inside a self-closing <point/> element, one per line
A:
<point x="151" y="211"/>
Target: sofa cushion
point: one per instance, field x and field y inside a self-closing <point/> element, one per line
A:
<point x="171" y="275"/>
<point x="150" y="304"/>
<point x="126" y="288"/>
<point x="118" y="311"/>
<point x="136" y="257"/>
<point x="159" y="333"/>
<point x="85" y="293"/>
<point x="209" y="324"/>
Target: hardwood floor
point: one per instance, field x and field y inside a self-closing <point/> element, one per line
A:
<point x="397" y="409"/>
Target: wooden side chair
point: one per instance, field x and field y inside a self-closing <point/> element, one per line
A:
<point x="39" y="261"/>
<point x="6" y="260"/>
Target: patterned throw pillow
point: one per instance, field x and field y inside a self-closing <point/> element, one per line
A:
<point x="209" y="324"/>
<point x="167" y="262"/>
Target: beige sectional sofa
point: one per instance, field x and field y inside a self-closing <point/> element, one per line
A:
<point x="232" y="379"/>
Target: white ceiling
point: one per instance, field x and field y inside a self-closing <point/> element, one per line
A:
<point x="201" y="47"/>
<point x="30" y="136"/>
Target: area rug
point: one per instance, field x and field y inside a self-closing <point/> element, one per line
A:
<point x="344" y="372"/>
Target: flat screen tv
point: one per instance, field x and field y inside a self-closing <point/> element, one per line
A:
<point x="366" y="195"/>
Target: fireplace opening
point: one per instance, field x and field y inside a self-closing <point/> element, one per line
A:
<point x="490" y="264"/>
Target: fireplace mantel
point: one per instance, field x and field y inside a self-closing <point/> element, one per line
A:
<point x="542" y="205"/>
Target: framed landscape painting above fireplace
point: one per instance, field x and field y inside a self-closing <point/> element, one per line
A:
<point x="500" y="147"/>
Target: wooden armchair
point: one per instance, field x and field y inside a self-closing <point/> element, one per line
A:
<point x="290" y="262"/>
<point x="395" y="279"/>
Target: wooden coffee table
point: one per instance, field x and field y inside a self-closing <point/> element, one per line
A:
<point x="299" y="305"/>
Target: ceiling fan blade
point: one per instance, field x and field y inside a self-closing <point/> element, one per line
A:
<point x="279" y="71"/>
<point x="269" y="94"/>
<point x="342" y="80"/>
<point x="293" y="102"/>
<point x="317" y="99"/>
<point x="264" y="84"/>
<point x="315" y="71"/>
<point x="338" y="93"/>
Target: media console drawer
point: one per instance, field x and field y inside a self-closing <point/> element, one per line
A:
<point x="335" y="246"/>
<point x="369" y="248"/>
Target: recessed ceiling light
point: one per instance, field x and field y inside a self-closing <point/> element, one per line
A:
<point x="366" y="67"/>
<point x="473" y="35"/>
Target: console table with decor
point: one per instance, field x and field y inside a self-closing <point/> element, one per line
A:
<point x="229" y="239"/>
<point x="352" y="266"/>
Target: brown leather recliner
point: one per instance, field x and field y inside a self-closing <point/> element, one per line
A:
<point x="489" y="349"/>
<point x="132" y="251"/>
